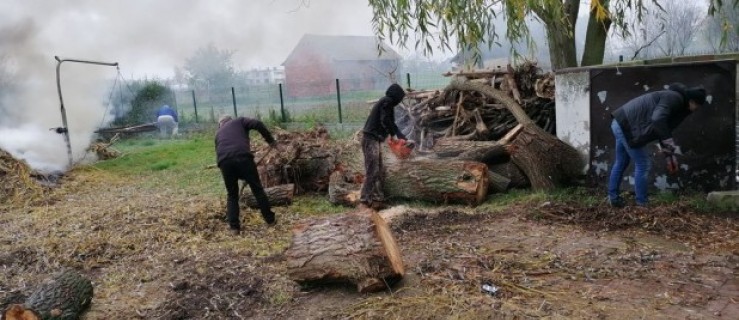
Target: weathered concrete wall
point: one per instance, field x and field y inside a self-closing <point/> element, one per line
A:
<point x="708" y="139"/>
<point x="572" y="92"/>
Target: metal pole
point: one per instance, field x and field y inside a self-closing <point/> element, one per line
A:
<point x="282" y="104"/>
<point x="195" y="106"/>
<point x="233" y="98"/>
<point x="65" y="129"/>
<point x="338" y="98"/>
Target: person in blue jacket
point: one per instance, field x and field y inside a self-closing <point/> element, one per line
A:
<point x="647" y="118"/>
<point x="167" y="121"/>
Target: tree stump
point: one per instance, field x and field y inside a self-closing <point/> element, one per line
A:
<point x="280" y="195"/>
<point x="356" y="248"/>
<point x="64" y="296"/>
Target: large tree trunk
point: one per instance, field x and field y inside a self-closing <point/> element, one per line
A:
<point x="441" y="181"/>
<point x="560" y="27"/>
<point x="281" y="195"/>
<point x="437" y="181"/>
<point x="547" y="161"/>
<point x="595" y="37"/>
<point x="356" y="247"/>
<point x="65" y="296"/>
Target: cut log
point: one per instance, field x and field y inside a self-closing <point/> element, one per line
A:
<point x="441" y="181"/>
<point x="343" y="188"/>
<point x="481" y="151"/>
<point x="518" y="179"/>
<point x="437" y="181"/>
<point x="64" y="296"/>
<point x="547" y="161"/>
<point x="280" y="195"/>
<point x="356" y="248"/>
<point x="498" y="183"/>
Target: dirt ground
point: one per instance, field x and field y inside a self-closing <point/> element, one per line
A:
<point x="163" y="255"/>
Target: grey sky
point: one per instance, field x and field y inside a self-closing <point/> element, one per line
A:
<point x="151" y="37"/>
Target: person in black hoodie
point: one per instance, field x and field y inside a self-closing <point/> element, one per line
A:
<point x="647" y="118"/>
<point x="380" y="124"/>
<point x="233" y="152"/>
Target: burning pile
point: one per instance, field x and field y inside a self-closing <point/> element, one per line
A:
<point x="17" y="186"/>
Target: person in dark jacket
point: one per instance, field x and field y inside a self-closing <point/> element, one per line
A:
<point x="647" y="118"/>
<point x="380" y="124"/>
<point x="233" y="152"/>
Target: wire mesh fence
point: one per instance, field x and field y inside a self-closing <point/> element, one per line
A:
<point x="337" y="101"/>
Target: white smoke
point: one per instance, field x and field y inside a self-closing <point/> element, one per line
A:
<point x="29" y="103"/>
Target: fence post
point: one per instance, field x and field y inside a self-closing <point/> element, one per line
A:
<point x="408" y="77"/>
<point x="233" y="97"/>
<point x="282" y="104"/>
<point x="195" y="106"/>
<point x="338" y="98"/>
<point x="174" y="101"/>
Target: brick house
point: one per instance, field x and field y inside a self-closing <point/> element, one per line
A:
<point x="317" y="61"/>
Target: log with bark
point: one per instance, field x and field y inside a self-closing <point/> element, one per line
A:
<point x="280" y="195"/>
<point x="305" y="159"/>
<point x="547" y="161"/>
<point x="64" y="296"/>
<point x="439" y="181"/>
<point x="356" y="247"/>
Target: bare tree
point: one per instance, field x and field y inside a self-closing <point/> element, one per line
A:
<point x="670" y="31"/>
<point x="722" y="29"/>
<point x="682" y="20"/>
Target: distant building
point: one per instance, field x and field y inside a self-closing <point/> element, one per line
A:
<point x="268" y="75"/>
<point x="317" y="61"/>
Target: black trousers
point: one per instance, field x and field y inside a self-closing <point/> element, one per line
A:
<point x="373" y="178"/>
<point x="245" y="169"/>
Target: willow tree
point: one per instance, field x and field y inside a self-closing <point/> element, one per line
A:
<point x="471" y="22"/>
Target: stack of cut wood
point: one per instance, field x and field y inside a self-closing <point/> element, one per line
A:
<point x="504" y="118"/>
<point x="305" y="159"/>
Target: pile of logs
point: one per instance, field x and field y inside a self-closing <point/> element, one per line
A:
<point x="488" y="130"/>
<point x="504" y="118"/>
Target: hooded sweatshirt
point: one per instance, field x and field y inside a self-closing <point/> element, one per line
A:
<point x="232" y="138"/>
<point x="653" y="116"/>
<point x="381" y="120"/>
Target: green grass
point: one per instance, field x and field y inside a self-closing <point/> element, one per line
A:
<point x="173" y="164"/>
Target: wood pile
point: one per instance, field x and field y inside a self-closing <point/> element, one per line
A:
<point x="465" y="114"/>
<point x="305" y="159"/>
<point x="495" y="116"/>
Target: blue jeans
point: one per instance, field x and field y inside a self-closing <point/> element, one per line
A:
<point x="624" y="155"/>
